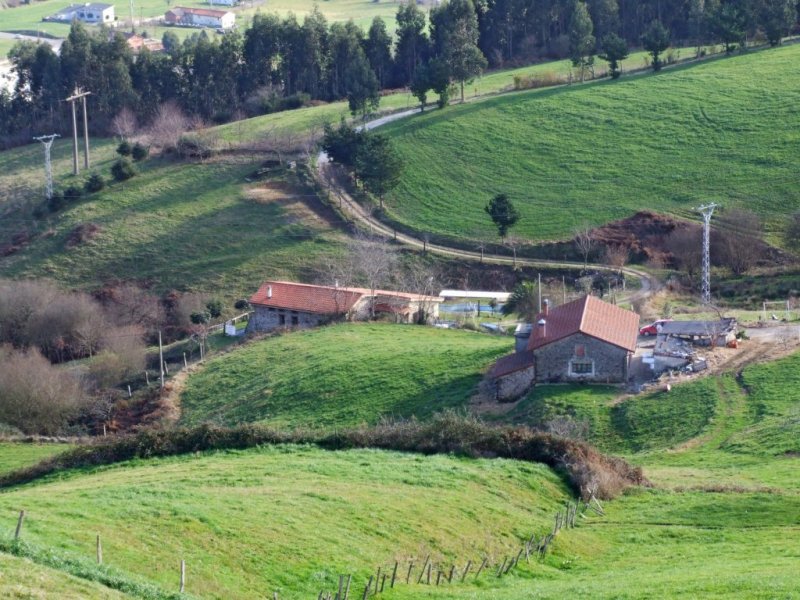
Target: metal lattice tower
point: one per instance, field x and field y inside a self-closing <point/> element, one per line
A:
<point x="707" y="210"/>
<point x="47" y="141"/>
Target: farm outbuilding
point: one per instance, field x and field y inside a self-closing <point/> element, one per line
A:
<point x="286" y="304"/>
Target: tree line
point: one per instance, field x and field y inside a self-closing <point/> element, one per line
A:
<point x="279" y="63"/>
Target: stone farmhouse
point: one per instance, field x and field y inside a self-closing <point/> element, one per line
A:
<point x="279" y="304"/>
<point x="200" y="17"/>
<point x="586" y="340"/>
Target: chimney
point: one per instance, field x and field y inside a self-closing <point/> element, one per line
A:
<point x="269" y="291"/>
<point x="546" y="310"/>
<point x="336" y="283"/>
<point x="542" y="327"/>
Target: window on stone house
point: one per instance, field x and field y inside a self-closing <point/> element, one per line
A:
<point x="295" y="320"/>
<point x="281" y="319"/>
<point x="580" y="350"/>
<point x="581" y="367"/>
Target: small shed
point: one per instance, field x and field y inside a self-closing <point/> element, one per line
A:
<point x="700" y="333"/>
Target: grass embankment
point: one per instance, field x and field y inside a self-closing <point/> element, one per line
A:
<point x="342" y="375"/>
<point x="21" y="578"/>
<point x="288" y="518"/>
<point x="176" y="225"/>
<point x="598" y="152"/>
<point x="15" y="455"/>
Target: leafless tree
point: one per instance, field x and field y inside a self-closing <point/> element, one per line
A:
<point x="125" y="124"/>
<point x="567" y="427"/>
<point x="584" y="243"/>
<point x="739" y="240"/>
<point x="129" y="304"/>
<point x="123" y="355"/>
<point x="617" y="256"/>
<point x="685" y="245"/>
<point x="426" y="283"/>
<point x="169" y="124"/>
<point x="35" y="396"/>
<point x="374" y="261"/>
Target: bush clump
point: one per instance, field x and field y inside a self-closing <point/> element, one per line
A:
<point x="95" y="183"/>
<point x="123" y="169"/>
<point x="56" y="202"/>
<point x="139" y="152"/>
<point x="124" y="149"/>
<point x="73" y="193"/>
<point x="586" y="469"/>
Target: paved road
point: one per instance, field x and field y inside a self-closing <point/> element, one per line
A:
<point x="359" y="213"/>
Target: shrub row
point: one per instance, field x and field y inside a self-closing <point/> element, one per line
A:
<point x="587" y="470"/>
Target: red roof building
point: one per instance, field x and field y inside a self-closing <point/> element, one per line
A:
<point x="586" y="340"/>
<point x="289" y="304"/>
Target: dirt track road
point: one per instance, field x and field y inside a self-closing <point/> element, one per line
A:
<point x="357" y="212"/>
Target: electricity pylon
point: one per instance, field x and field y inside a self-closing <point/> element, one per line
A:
<point x="47" y="141"/>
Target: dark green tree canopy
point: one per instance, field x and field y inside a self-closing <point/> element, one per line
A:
<point x="523" y="301"/>
<point x="581" y="40"/>
<point x="503" y="213"/>
<point x="614" y="51"/>
<point x="655" y="40"/>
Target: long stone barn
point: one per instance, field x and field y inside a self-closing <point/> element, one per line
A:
<point x="586" y="340"/>
<point x="288" y="304"/>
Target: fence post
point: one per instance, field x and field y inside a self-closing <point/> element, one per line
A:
<point x="483" y="564"/>
<point x="99" y="551"/>
<point x="183" y="575"/>
<point x="347" y="587"/>
<point x="367" y="589"/>
<point x="466" y="570"/>
<point x="19" y="524"/>
<point x="394" y="574"/>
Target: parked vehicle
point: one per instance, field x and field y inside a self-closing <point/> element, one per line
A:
<point x="653" y="328"/>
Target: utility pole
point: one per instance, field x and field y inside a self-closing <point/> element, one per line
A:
<point x="47" y="141"/>
<point x="79" y="94"/>
<point x="706" y="210"/>
<point x="161" y="359"/>
<point x="539" y="290"/>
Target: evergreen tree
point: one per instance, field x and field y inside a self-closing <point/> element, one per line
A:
<point x="361" y="85"/>
<point x="378" y="165"/>
<point x="614" y="50"/>
<point x="728" y="24"/>
<point x="412" y="45"/>
<point x="581" y="40"/>
<point x="655" y="40"/>
<point x="776" y="18"/>
<point x="503" y="213"/>
<point x="454" y="31"/>
<point x="378" y="48"/>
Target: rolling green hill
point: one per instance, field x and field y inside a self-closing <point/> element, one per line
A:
<point x="715" y="131"/>
<point x="176" y="225"/>
<point x="342" y="375"/>
<point x="289" y="518"/>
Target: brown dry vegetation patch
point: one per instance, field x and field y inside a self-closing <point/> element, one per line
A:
<point x="299" y="205"/>
<point x="643" y="234"/>
<point x="83" y="233"/>
<point x="18" y="242"/>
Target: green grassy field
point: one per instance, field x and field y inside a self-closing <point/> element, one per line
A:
<point x="180" y="225"/>
<point x="599" y="152"/>
<point x="23" y="579"/>
<point x="727" y="509"/>
<point x="342" y="375"/>
<point x="15" y="456"/>
<point x="287" y="519"/>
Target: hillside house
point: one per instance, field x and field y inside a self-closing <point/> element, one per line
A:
<point x="200" y="17"/>
<point x="279" y="304"/>
<point x="89" y="12"/>
<point x="586" y="340"/>
<point x="136" y="43"/>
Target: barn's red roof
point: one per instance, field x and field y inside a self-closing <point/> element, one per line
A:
<point x="327" y="300"/>
<point x="319" y="299"/>
<point x="511" y="363"/>
<point x="203" y="12"/>
<point x="588" y="315"/>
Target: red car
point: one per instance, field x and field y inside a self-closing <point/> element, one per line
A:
<point x="653" y="328"/>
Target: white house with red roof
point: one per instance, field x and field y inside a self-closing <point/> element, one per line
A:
<point x="200" y="17"/>
<point x="586" y="340"/>
<point x="279" y="304"/>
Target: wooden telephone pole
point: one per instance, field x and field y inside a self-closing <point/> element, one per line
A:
<point x="79" y="94"/>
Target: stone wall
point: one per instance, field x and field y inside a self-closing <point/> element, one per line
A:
<point x="513" y="386"/>
<point x="269" y="319"/>
<point x="553" y="362"/>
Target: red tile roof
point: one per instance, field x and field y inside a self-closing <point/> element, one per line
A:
<point x="588" y="315"/>
<point x="319" y="299"/>
<point x="203" y="12"/>
<point x="511" y="363"/>
<point x="326" y="300"/>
